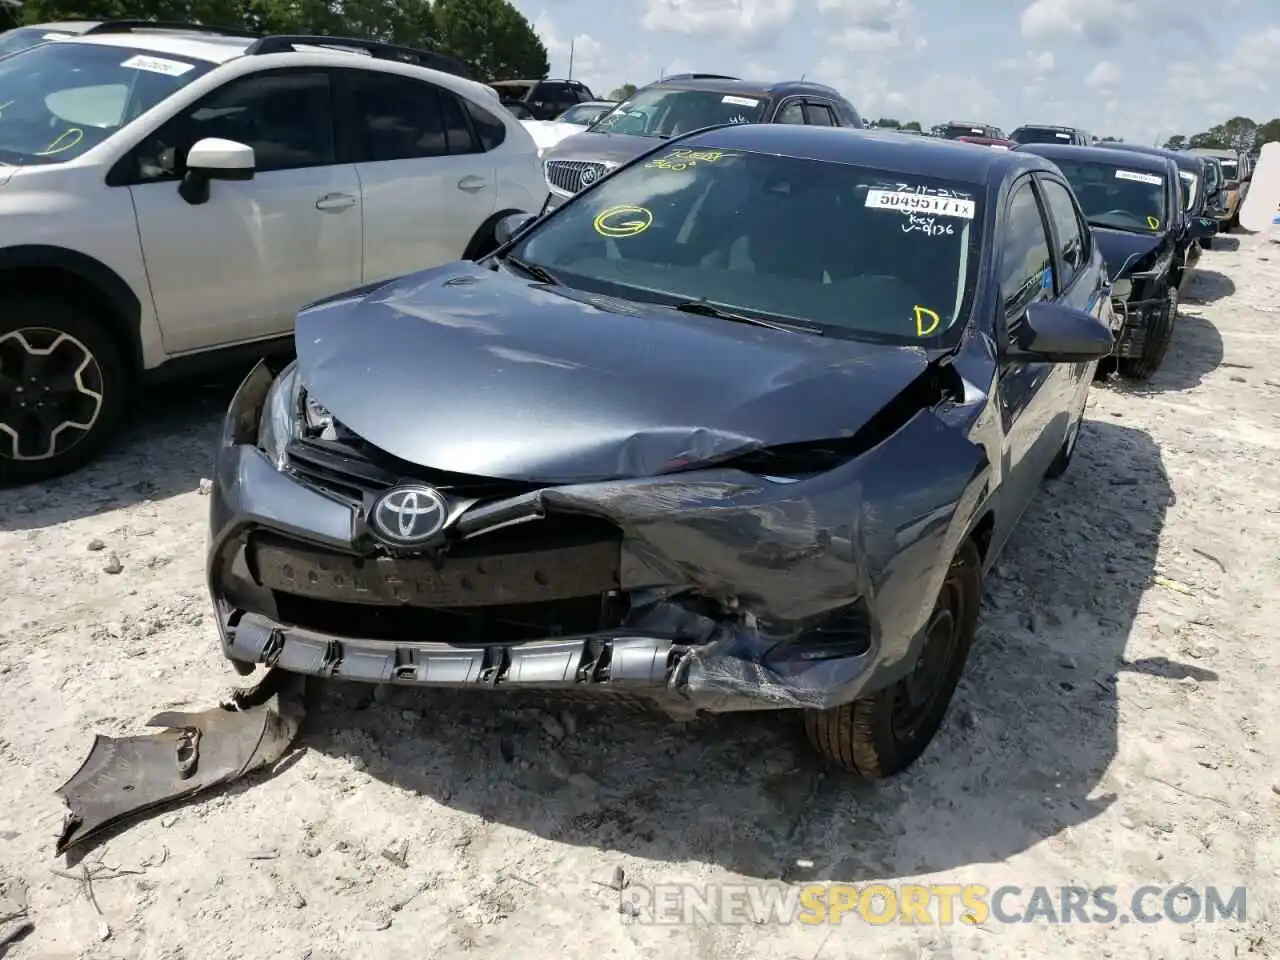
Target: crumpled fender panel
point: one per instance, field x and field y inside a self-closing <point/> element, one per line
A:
<point x="882" y="528"/>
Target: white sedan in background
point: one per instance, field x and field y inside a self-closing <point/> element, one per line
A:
<point x="547" y="133"/>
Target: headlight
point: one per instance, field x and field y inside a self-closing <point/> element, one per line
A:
<point x="280" y="415"/>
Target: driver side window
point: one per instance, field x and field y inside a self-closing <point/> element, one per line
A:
<point x="285" y="115"/>
<point x="1026" y="271"/>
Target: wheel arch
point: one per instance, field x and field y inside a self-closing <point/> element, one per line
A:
<point x="89" y="283"/>
<point x="982" y="533"/>
<point x="481" y="241"/>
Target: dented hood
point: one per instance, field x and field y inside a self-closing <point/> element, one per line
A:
<point x="473" y="371"/>
<point x="1123" y="250"/>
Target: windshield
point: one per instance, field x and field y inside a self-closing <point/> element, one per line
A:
<point x="954" y="131"/>
<point x="1117" y="198"/>
<point x="11" y="41"/>
<point x="862" y="253"/>
<point x="585" y="114"/>
<point x="58" y="100"/>
<point x="1040" y="135"/>
<point x="664" y="112"/>
<point x="1230" y="169"/>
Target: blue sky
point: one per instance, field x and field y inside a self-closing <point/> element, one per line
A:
<point x="1138" y="69"/>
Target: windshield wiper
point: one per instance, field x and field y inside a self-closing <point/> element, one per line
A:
<point x="541" y="274"/>
<point x="704" y="308"/>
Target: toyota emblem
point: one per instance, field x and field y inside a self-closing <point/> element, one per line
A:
<point x="409" y="515"/>
<point x="588" y="176"/>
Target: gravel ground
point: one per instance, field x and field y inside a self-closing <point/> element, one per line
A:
<point x="1111" y="728"/>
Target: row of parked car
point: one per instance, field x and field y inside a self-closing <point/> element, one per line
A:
<point x="173" y="193"/>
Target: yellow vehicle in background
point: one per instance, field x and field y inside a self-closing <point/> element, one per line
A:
<point x="1236" y="173"/>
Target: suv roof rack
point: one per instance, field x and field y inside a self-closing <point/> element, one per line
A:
<point x="177" y="26"/>
<point x="287" y="42"/>
<point x="697" y="76"/>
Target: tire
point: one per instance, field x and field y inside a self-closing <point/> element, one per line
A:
<point x="876" y="737"/>
<point x="1206" y="243"/>
<point x="1155" y="340"/>
<point x="56" y="348"/>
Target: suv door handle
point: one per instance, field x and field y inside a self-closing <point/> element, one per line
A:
<point x="335" y="201"/>
<point x="472" y="184"/>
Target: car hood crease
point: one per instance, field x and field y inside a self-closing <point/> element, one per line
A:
<point x="1118" y="246"/>
<point x="477" y="372"/>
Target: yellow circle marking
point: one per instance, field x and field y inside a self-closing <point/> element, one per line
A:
<point x="65" y="141"/>
<point x="623" y="221"/>
<point x="1153" y="223"/>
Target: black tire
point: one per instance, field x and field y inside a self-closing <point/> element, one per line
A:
<point x="1155" y="340"/>
<point x="1206" y="243"/>
<point x="882" y="735"/>
<point x="81" y="380"/>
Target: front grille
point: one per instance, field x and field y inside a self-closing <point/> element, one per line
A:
<point x="566" y="175"/>
<point x="351" y="468"/>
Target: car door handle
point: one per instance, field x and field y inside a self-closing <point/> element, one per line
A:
<point x="472" y="184"/>
<point x="335" y="201"/>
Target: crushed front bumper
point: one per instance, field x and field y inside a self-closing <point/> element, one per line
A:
<point x="723" y="591"/>
<point x="1137" y="318"/>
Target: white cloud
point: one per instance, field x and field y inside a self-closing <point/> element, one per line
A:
<point x="869" y="26"/>
<point x="1105" y="74"/>
<point x="593" y="64"/>
<point x="744" y="22"/>
<point x="1101" y="22"/>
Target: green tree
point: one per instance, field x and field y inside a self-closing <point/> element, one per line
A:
<point x="1177" y="142"/>
<point x="1268" y="132"/>
<point x="1215" y="137"/>
<point x="624" y="92"/>
<point x="491" y="37"/>
<point x="1240" y="133"/>
<point x="887" y="123"/>
<point x="911" y="125"/>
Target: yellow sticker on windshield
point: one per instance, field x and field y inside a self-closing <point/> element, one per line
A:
<point x="926" y="321"/>
<point x="1153" y="223"/>
<point x="684" y="159"/>
<point x="64" y="141"/>
<point x="623" y="221"/>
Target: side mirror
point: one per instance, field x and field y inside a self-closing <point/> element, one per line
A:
<point x="1200" y="227"/>
<point x="214" y="159"/>
<point x="1051" y="333"/>
<point x="510" y="226"/>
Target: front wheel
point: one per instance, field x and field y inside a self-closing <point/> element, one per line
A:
<point x="1156" y="336"/>
<point x="883" y="734"/>
<point x="62" y="389"/>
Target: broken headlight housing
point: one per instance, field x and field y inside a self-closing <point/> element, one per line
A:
<point x="288" y="413"/>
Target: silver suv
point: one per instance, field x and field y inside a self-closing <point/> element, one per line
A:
<point x="174" y="195"/>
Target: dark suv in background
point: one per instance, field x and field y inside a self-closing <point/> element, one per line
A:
<point x="545" y="99"/>
<point x="1043" y="133"/>
<point x="680" y="104"/>
<point x="955" y="129"/>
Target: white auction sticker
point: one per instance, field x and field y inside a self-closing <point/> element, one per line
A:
<point x="170" y="68"/>
<point x="1133" y="175"/>
<point x="55" y="36"/>
<point x="1063" y="136"/>
<point x="907" y="202"/>
<point x="740" y="101"/>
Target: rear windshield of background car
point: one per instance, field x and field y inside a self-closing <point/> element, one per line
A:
<point x="864" y="253"/>
<point x="667" y="112"/>
<point x="512" y="91"/>
<point x="20" y="38"/>
<point x="1120" y="198"/>
<point x="61" y="99"/>
<point x="1230" y="169"/>
<point x="955" y="130"/>
<point x="1040" y="135"/>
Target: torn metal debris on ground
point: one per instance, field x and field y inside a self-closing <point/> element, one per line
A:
<point x="124" y="776"/>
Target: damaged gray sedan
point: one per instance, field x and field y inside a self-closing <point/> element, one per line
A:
<point x="738" y="427"/>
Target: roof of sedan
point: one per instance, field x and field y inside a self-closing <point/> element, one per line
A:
<point x="1185" y="161"/>
<point x="1119" y="158"/>
<point x="923" y="156"/>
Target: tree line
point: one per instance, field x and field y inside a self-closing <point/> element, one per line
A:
<point x="1239" y="133"/>
<point x="490" y="36"/>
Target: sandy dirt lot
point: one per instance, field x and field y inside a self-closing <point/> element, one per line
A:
<point x="1118" y="725"/>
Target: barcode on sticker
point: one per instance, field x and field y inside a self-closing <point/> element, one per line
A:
<point x="170" y="68"/>
<point x="740" y="101"/>
<point x="1133" y="175"/>
<point x="920" y="203"/>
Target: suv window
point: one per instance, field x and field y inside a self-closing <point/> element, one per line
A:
<point x="489" y="128"/>
<point x="61" y="99"/>
<point x="394" y="117"/>
<point x="1067" y="225"/>
<point x="285" y="115"/>
<point x="791" y="113"/>
<point x="1025" y="261"/>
